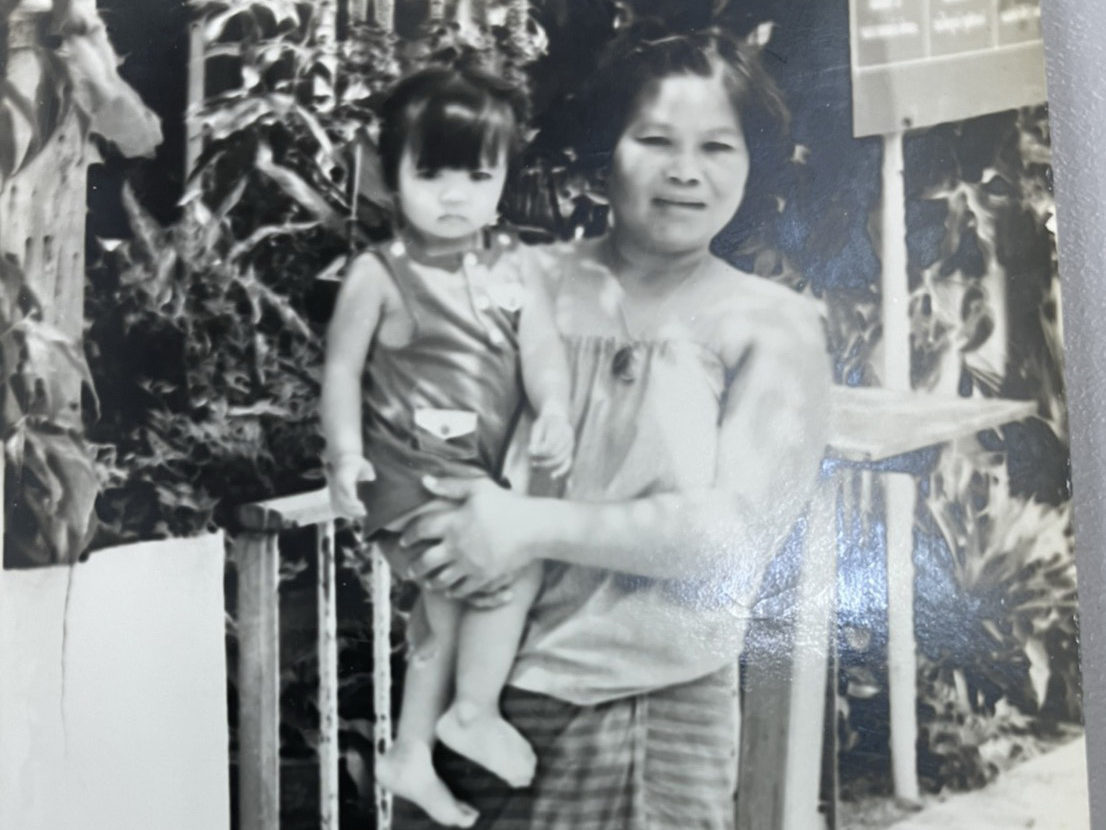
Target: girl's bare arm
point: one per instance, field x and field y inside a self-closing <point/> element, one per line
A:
<point x="357" y="314"/>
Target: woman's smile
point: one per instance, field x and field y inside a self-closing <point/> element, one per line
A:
<point x="679" y="204"/>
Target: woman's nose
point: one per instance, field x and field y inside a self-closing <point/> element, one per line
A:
<point x="683" y="169"/>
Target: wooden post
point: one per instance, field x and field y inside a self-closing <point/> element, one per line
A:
<point x="899" y="487"/>
<point x="384" y="14"/>
<point x="813" y="629"/>
<point x="326" y="22"/>
<point x="358" y="10"/>
<point x="197" y="68"/>
<point x="258" y="682"/>
<point x="327" y="608"/>
<point x="783" y="719"/>
<point x="382" y="677"/>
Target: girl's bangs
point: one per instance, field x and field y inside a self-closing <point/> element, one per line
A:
<point x="461" y="135"/>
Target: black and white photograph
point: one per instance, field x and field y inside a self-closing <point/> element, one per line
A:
<point x="534" y="415"/>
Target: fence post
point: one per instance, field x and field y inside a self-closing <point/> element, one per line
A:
<point x="256" y="555"/>
<point x="384" y="14"/>
<point x="382" y="676"/>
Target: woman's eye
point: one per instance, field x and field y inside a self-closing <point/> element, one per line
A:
<point x="654" y="140"/>
<point x="718" y="147"/>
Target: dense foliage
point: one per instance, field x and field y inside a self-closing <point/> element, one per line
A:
<point x="57" y="68"/>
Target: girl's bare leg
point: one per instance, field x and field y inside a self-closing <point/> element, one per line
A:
<point x="407" y="770"/>
<point x="488" y="642"/>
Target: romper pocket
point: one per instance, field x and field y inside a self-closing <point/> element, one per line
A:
<point x="446" y="433"/>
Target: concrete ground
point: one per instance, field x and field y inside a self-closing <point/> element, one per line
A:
<point x="1048" y="792"/>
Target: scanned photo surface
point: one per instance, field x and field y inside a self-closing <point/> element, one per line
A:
<point x="533" y="414"/>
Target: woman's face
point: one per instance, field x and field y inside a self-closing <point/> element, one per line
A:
<point x="680" y="167"/>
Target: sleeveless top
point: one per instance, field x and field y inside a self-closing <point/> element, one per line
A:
<point x="596" y="635"/>
<point x="444" y="403"/>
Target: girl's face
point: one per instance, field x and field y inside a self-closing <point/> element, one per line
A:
<point x="680" y="167"/>
<point x="450" y="203"/>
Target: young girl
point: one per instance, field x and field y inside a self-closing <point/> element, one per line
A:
<point x="443" y="325"/>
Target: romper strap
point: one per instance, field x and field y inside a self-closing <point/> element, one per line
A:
<point x="393" y="255"/>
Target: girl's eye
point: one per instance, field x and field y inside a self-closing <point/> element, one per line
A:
<point x="427" y="175"/>
<point x="480" y="176"/>
<point x="717" y="147"/>
<point x="654" y="140"/>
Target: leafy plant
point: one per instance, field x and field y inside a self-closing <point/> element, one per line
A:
<point x="55" y="61"/>
<point x="63" y="60"/>
<point x="208" y="374"/>
<point x="998" y="586"/>
<point x="50" y="481"/>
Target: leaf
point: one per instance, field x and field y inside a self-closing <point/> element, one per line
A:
<point x="115" y="109"/>
<point x="331" y="273"/>
<point x="298" y="189"/>
<point x="21" y="138"/>
<point x="238" y="114"/>
<point x="267" y="232"/>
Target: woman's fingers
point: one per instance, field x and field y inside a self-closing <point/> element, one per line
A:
<point x="448" y="578"/>
<point x="454" y="489"/>
<point x="429" y="527"/>
<point x="484" y="600"/>
<point x="428" y="562"/>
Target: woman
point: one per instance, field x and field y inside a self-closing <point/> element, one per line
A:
<point x="699" y="403"/>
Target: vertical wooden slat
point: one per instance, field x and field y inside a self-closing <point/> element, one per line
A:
<point x="382" y="676"/>
<point x="328" y="678"/>
<point x="895" y="301"/>
<point x="384" y="14"/>
<point x="358" y="10"/>
<point x="326" y="23"/>
<point x="197" y="68"/>
<point x="257" y="558"/>
<point x="764" y="726"/>
<point x="817" y="599"/>
<point x="902" y="662"/>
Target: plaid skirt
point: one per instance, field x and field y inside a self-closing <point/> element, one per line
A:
<point x="663" y="760"/>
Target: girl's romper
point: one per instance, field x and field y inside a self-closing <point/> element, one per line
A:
<point x="445" y="402"/>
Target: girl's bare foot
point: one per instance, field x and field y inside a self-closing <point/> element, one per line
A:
<point x="407" y="771"/>
<point x="485" y="738"/>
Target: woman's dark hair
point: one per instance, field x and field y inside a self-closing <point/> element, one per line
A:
<point x="647" y="52"/>
<point x="450" y="118"/>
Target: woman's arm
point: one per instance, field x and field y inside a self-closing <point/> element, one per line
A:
<point x="771" y="441"/>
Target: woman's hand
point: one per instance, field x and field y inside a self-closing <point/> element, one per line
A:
<point x="473" y="546"/>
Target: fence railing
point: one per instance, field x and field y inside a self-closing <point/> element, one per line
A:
<point x="257" y="555"/>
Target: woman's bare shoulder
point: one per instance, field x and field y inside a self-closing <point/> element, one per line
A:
<point x="745" y="309"/>
<point x="738" y="293"/>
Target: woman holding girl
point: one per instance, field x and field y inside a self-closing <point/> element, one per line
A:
<point x="698" y="401"/>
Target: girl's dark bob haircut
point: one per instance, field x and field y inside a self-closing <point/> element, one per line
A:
<point x="450" y="118"/>
<point x="647" y="52"/>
